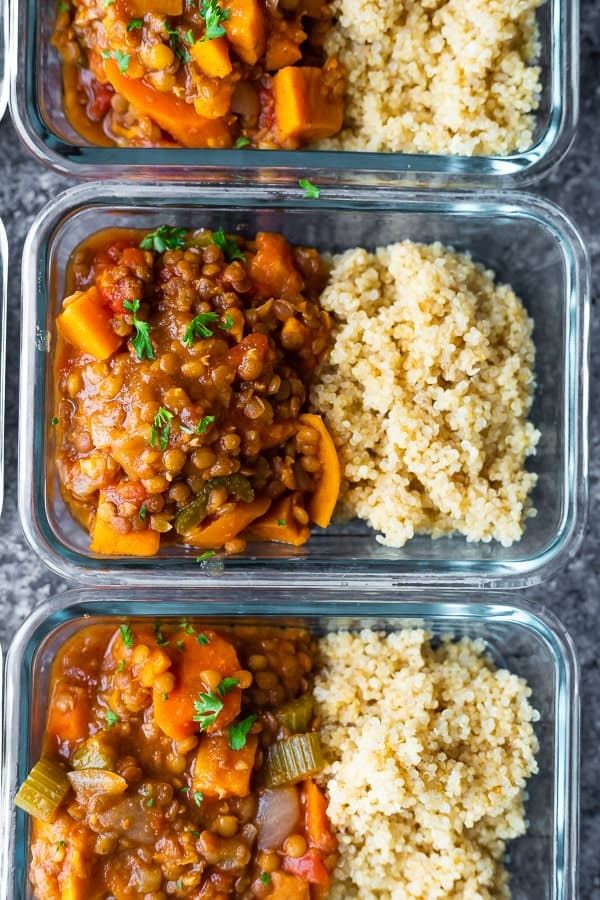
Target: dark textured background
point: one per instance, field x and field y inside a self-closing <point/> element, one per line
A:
<point x="25" y="187"/>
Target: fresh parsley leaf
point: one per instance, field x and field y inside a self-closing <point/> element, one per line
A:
<point x="141" y="343"/>
<point x="228" y="246"/>
<point x="180" y="646"/>
<point x="179" y="884"/>
<point x="126" y="635"/>
<point x="60" y="845"/>
<point x="63" y="6"/>
<point x="196" y="834"/>
<point x="227" y="323"/>
<point x="264" y="878"/>
<point x="143" y="512"/>
<point x="106" y="54"/>
<point x="207" y="706"/>
<point x="282" y="523"/>
<point x="311" y="191"/>
<point x="167" y="237"/>
<point x="238" y="732"/>
<point x="205" y="421"/>
<point x="150" y="802"/>
<point x="202" y="639"/>
<point x="135" y="24"/>
<point x="242" y="141"/>
<point x="122" y="60"/>
<point x="213" y="16"/>
<point x="54" y="421"/>
<point x="185" y="626"/>
<point x="165" y="696"/>
<point x="111" y="718"/>
<point x="177" y="40"/>
<point x="161" y="428"/>
<point x="227" y="686"/>
<point x="108" y="3"/>
<point x="198" y="797"/>
<point x="198" y="328"/>
<point x="161" y="640"/>
<point x="208" y="554"/>
<point x="121" y="666"/>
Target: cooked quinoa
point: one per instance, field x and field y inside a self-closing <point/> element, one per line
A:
<point x="426" y="391"/>
<point x="428" y="753"/>
<point x="437" y="76"/>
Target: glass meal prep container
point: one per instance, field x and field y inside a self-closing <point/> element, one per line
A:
<point x="543" y="863"/>
<point x="3" y="294"/>
<point x="37" y="110"/>
<point x="526" y="240"/>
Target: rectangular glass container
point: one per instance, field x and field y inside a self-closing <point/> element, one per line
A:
<point x="37" y="111"/>
<point x="3" y="294"/>
<point x="527" y="241"/>
<point x="543" y="863"/>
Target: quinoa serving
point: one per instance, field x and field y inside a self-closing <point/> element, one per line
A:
<point x="427" y="391"/>
<point x="441" y="76"/>
<point x="182" y="371"/>
<point x="427" y="756"/>
<point x="179" y="761"/>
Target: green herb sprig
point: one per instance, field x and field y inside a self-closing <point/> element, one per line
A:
<point x="207" y="706"/>
<point x="166" y="237"/>
<point x="228" y="246"/>
<point x="141" y="343"/>
<point x="161" y="428"/>
<point x="213" y="15"/>
<point x="238" y="732"/>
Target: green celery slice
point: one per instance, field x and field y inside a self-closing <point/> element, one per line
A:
<point x="43" y="790"/>
<point x="293" y="759"/>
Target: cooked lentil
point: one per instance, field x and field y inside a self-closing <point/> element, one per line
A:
<point x="182" y="395"/>
<point x="161" y="803"/>
<point x="428" y="753"/>
<point x="427" y="392"/>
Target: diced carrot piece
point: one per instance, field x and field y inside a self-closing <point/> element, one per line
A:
<point x="62" y="854"/>
<point x="108" y="542"/>
<point x="279" y="525"/>
<point x="70" y="724"/>
<point x="309" y="867"/>
<point x="158" y="7"/>
<point x="246" y="29"/>
<point x="272" y="268"/>
<point x="86" y="323"/>
<point x="214" y="98"/>
<point x="193" y="654"/>
<point x="318" y="828"/>
<point x="213" y="57"/>
<point x="171" y="113"/>
<point x="305" y="109"/>
<point x="322" y="502"/>
<point x="218" y="532"/>
<point x="220" y="771"/>
<point x="288" y="887"/>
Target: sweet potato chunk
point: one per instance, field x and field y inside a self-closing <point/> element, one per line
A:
<point x="213" y="57"/>
<point x="305" y="108"/>
<point x="109" y="542"/>
<point x="246" y="29"/>
<point x="222" y="772"/>
<point x="86" y="323"/>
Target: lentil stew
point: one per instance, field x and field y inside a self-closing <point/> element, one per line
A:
<point x="166" y="73"/>
<point x="178" y="761"/>
<point x="182" y="370"/>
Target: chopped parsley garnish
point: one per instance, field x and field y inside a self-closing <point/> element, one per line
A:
<point x="198" y="797"/>
<point x="178" y="41"/>
<point x="121" y="59"/>
<point x="198" y="327"/>
<point x="311" y="191"/>
<point x="282" y="523"/>
<point x="150" y="802"/>
<point x="135" y="24"/>
<point x="179" y="884"/>
<point x="161" y="640"/>
<point x="238" y="732"/>
<point x="227" y="686"/>
<point x="63" y="6"/>
<point x="264" y="878"/>
<point x="227" y="323"/>
<point x="167" y="237"/>
<point x="143" y="512"/>
<point x="207" y="706"/>
<point x="185" y="626"/>
<point x="141" y="343"/>
<point x="165" y="696"/>
<point x="60" y="845"/>
<point x="126" y="635"/>
<point x="180" y="646"/>
<point x="196" y="834"/>
<point x="121" y="666"/>
<point x="202" y="639"/>
<point x="161" y="428"/>
<point x="183" y="789"/>
<point x="208" y="554"/>
<point x="54" y="421"/>
<point x="228" y="246"/>
<point x="108" y="3"/>
<point x="242" y="141"/>
<point x="111" y="718"/>
<point x="205" y="421"/>
<point x="213" y="16"/>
